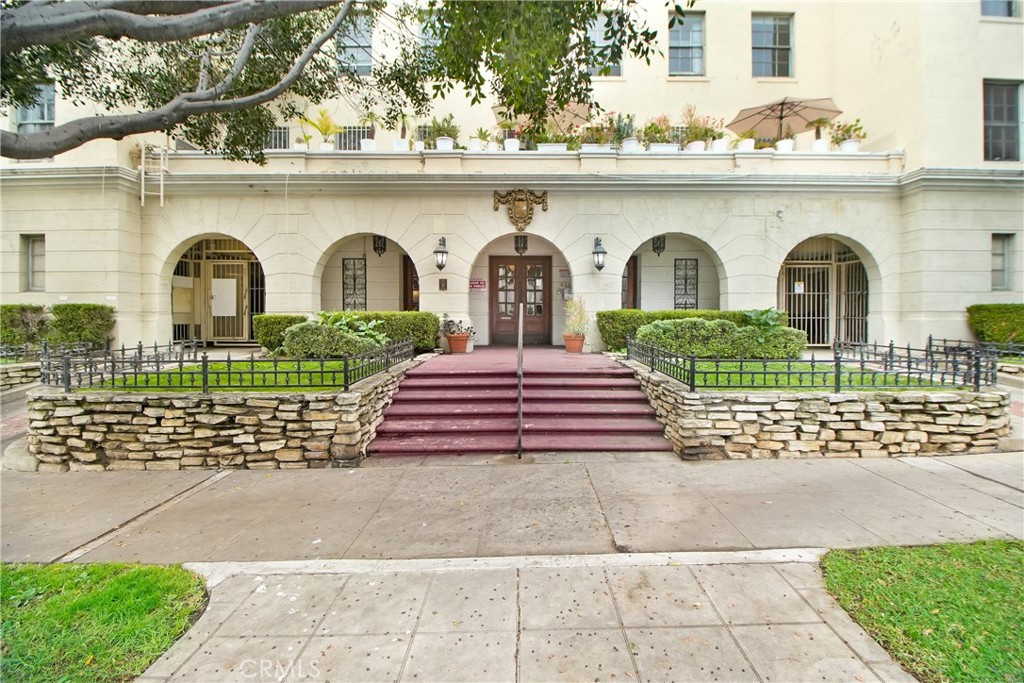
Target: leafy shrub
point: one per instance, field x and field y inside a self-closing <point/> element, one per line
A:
<point x="22" y="323"/>
<point x="723" y="339"/>
<point x="269" y="328"/>
<point x="617" y="326"/>
<point x="421" y="326"/>
<point x="347" y="322"/>
<point x="72" y="323"/>
<point x="1001" y="323"/>
<point x="780" y="342"/>
<point x="313" y="340"/>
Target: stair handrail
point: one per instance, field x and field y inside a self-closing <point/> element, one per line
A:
<point x="519" y="393"/>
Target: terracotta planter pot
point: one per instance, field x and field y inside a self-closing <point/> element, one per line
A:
<point x="457" y="342"/>
<point x="573" y="343"/>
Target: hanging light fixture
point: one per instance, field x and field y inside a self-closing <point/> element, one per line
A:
<point x="380" y="245"/>
<point x="658" y="244"/>
<point x="521" y="244"/>
<point x="441" y="254"/>
<point x="599" y="253"/>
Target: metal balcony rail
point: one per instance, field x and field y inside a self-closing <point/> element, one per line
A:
<point x="180" y="366"/>
<point x="851" y="366"/>
<point x="519" y="386"/>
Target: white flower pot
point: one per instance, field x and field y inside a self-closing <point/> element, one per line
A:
<point x="849" y="146"/>
<point x="822" y="145"/>
<point x="493" y="146"/>
<point x="630" y="145"/>
<point x="326" y="146"/>
<point x="511" y="144"/>
<point x="719" y="145"/>
<point x="696" y="146"/>
<point x="368" y="145"/>
<point x="418" y="145"/>
<point x="595" y="147"/>
<point x="663" y="147"/>
<point x="552" y="147"/>
<point x="745" y="145"/>
<point x="444" y="144"/>
<point x="475" y="145"/>
<point x="300" y="146"/>
<point x="400" y="145"/>
<point x="784" y="145"/>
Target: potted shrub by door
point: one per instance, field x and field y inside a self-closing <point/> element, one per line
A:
<point x="576" y="324"/>
<point x="456" y="333"/>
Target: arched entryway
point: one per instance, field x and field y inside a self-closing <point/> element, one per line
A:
<point x="514" y="269"/>
<point x="671" y="271"/>
<point x="367" y="272"/>
<point x="823" y="287"/>
<point x="217" y="286"/>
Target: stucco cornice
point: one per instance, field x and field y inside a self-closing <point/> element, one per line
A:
<point x="962" y="179"/>
<point x="89" y="177"/>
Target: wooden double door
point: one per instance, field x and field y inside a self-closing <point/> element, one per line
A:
<point x="515" y="280"/>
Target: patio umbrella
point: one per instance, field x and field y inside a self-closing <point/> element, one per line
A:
<point x="770" y="120"/>
<point x="564" y="120"/>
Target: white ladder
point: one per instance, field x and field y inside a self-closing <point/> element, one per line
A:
<point x="152" y="169"/>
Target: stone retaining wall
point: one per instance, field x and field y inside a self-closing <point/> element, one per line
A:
<point x="17" y="374"/>
<point x="805" y="425"/>
<point x="171" y="431"/>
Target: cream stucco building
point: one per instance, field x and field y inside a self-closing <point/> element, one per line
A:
<point x="891" y="242"/>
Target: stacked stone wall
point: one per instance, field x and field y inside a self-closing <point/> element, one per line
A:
<point x="873" y="424"/>
<point x="171" y="431"/>
<point x="16" y="374"/>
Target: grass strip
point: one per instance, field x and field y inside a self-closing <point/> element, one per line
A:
<point x="104" y="623"/>
<point x="947" y="613"/>
<point x="802" y="375"/>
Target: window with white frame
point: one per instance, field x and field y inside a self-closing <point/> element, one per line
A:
<point x="686" y="47"/>
<point x="39" y="116"/>
<point x="355" y="46"/>
<point x="34" y="254"/>
<point x="1002" y="248"/>
<point x="596" y="35"/>
<point x="428" y="31"/>
<point x="349" y="136"/>
<point x="277" y="138"/>
<point x="1002" y="121"/>
<point x="1000" y="8"/>
<point x="772" y="40"/>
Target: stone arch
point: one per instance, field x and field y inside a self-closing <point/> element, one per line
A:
<point x="688" y="273"/>
<point x="351" y="274"/>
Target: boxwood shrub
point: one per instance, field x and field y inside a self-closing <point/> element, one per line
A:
<point x="722" y="339"/>
<point x="313" y="340"/>
<point x="269" y="328"/>
<point x="72" y="323"/>
<point x="422" y="326"/>
<point x="22" y="323"/>
<point x="1001" y="323"/>
<point x="616" y="326"/>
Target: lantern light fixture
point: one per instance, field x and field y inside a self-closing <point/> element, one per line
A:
<point x="521" y="244"/>
<point x="380" y="245"/>
<point x="599" y="253"/>
<point x="658" y="244"/>
<point x="441" y="254"/>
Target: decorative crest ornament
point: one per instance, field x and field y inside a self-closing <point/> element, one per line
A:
<point x="520" y="205"/>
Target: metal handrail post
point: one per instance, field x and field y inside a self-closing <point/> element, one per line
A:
<point x="519" y="382"/>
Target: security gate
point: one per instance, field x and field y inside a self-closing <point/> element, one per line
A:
<point x="823" y="288"/>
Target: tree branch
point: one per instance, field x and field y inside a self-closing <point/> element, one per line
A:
<point x="52" y="24"/>
<point x="75" y="133"/>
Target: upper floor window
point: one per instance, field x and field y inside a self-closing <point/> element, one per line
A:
<point x="772" y="39"/>
<point x="355" y="48"/>
<point x="596" y="35"/>
<point x="1000" y="8"/>
<point x="1002" y="121"/>
<point x="428" y="31"/>
<point x="1001" y="249"/>
<point x="37" y="117"/>
<point x="686" y="47"/>
<point x="350" y="136"/>
<point x="34" y="254"/>
<point x="277" y="138"/>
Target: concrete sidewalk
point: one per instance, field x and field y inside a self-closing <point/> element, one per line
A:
<point x="466" y="507"/>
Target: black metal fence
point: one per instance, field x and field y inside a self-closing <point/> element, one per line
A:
<point x="30" y="353"/>
<point x="178" y="366"/>
<point x="1004" y="351"/>
<point x="850" y="366"/>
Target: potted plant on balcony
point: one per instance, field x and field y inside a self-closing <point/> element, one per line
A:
<point x="698" y="130"/>
<point x="657" y="135"/>
<point x="786" y="143"/>
<point x="444" y="132"/>
<point x="324" y="125"/>
<point x="625" y="133"/>
<point x="746" y="141"/>
<point x="457" y="334"/>
<point x="576" y="324"/>
<point x="302" y="141"/>
<point x="479" y="140"/>
<point x="403" y="143"/>
<point x="847" y="136"/>
<point x="369" y="143"/>
<point x="819" y="144"/>
<point x="597" y="136"/>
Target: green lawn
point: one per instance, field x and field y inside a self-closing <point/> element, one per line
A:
<point x="947" y="613"/>
<point x="258" y="375"/>
<point x="801" y="375"/>
<point x="99" y="622"/>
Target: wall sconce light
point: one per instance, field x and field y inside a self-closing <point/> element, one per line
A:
<point x="380" y="245"/>
<point x="599" y="253"/>
<point x="441" y="254"/>
<point x="521" y="244"/>
<point x="658" y="244"/>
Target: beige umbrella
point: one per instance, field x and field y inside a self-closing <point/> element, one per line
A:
<point x="563" y="120"/>
<point x="770" y="120"/>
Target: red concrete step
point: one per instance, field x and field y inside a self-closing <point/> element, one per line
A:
<point x="533" y="408"/>
<point x="469" y="394"/>
<point x="498" y="443"/>
<point x="595" y="442"/>
<point x="501" y="381"/>
<point x="569" y="425"/>
<point x="428" y="409"/>
<point x="535" y="425"/>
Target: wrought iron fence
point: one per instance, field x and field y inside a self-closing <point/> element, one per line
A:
<point x="30" y="353"/>
<point x="851" y="366"/>
<point x="1012" y="351"/>
<point x="181" y="366"/>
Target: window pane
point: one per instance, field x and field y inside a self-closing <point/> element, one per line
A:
<point x="1000" y="8"/>
<point x="40" y="116"/>
<point x="771" y="37"/>
<point x="1001" y="247"/>
<point x="1001" y="107"/>
<point x="686" y="47"/>
<point x="355" y="49"/>
<point x="596" y="34"/>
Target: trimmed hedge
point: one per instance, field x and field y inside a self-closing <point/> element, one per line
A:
<point x="616" y="326"/>
<point x="723" y="339"/>
<point x="269" y="328"/>
<point x="22" y="323"/>
<point x="72" y="323"/>
<point x="1001" y="323"/>
<point x="313" y="340"/>
<point x="423" y="327"/>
